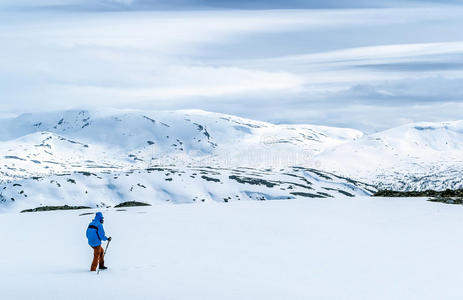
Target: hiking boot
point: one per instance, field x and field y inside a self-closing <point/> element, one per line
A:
<point x="103" y="268"/>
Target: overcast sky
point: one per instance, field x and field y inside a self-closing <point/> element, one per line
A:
<point x="369" y="64"/>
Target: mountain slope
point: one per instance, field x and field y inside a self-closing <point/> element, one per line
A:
<point x="101" y="158"/>
<point x="175" y="185"/>
<point x="415" y="156"/>
<point x="46" y="143"/>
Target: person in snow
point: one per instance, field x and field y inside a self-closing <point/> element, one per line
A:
<point x="96" y="234"/>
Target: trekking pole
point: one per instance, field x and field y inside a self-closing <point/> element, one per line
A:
<point x="107" y="245"/>
<point x="104" y="254"/>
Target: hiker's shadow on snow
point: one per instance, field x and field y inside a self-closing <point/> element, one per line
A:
<point x="72" y="271"/>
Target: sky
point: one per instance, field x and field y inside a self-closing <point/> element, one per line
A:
<point x="369" y="65"/>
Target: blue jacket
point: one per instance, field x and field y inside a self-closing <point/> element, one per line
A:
<point x="95" y="231"/>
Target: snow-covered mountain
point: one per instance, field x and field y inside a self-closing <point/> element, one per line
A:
<point x="71" y="140"/>
<point x="106" y="157"/>
<point x="416" y="156"/>
<point x="101" y="158"/>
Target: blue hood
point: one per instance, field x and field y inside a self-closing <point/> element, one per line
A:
<point x="98" y="217"/>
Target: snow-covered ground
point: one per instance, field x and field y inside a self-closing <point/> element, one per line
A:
<point x="333" y="248"/>
<point x="176" y="185"/>
<point x="103" y="157"/>
<point x="415" y="156"/>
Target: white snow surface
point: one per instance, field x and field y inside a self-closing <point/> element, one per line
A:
<point x="415" y="156"/>
<point x="324" y="249"/>
<point x="73" y="140"/>
<point x="103" y="157"/>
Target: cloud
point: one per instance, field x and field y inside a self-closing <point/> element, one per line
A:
<point x="368" y="69"/>
<point x="188" y="82"/>
<point x="421" y="90"/>
<point x="417" y="66"/>
<point x="213" y="4"/>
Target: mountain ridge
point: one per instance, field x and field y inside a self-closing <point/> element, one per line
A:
<point x="251" y="159"/>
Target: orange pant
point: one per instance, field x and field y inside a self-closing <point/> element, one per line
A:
<point x="98" y="256"/>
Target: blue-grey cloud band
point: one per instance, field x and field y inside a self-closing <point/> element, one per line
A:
<point x="212" y="4"/>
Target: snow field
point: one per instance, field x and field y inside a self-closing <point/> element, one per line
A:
<point x="346" y="248"/>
